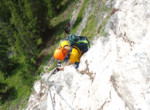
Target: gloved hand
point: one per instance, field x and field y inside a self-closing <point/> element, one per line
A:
<point x="56" y="70"/>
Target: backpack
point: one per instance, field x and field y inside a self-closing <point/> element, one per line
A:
<point x="79" y="41"/>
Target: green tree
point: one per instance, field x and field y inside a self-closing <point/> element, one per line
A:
<point x="6" y="63"/>
<point x="27" y="34"/>
<point x="4" y="12"/>
<point x="29" y="20"/>
<point x="50" y="12"/>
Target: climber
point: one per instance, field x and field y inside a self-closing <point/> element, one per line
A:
<point x="71" y="50"/>
<point x="67" y="28"/>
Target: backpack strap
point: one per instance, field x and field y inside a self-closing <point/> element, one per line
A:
<point x="69" y="52"/>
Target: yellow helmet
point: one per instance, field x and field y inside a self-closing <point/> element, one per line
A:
<point x="64" y="43"/>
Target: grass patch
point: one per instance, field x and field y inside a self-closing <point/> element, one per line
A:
<point x="105" y="13"/>
<point x="16" y="92"/>
<point x="90" y="29"/>
<point x="53" y="66"/>
<point x="105" y="20"/>
<point x="80" y="16"/>
<point x="101" y="29"/>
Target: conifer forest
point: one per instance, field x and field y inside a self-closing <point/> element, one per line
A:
<point x="24" y="30"/>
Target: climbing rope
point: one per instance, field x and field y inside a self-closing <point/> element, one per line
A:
<point x="50" y="83"/>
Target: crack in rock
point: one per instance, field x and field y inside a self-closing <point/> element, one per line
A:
<point x="106" y="101"/>
<point x="87" y="71"/>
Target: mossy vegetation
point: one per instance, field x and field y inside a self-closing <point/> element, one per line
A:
<point x="100" y="9"/>
<point x="80" y="16"/>
<point x="90" y="29"/>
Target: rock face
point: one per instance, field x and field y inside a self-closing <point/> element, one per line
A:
<point x="113" y="75"/>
